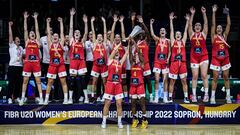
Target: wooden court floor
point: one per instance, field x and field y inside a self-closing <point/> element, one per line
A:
<point x="112" y="130"/>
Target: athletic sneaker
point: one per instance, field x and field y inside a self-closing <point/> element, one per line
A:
<point x="21" y="102"/>
<point x="186" y="100"/>
<point x="205" y="98"/>
<point x="10" y="101"/>
<point x="86" y="101"/>
<point x="170" y="100"/>
<point x="151" y="99"/>
<point x="65" y="101"/>
<point x="99" y="99"/>
<point x="40" y="101"/>
<point x="120" y="125"/>
<point x="212" y="100"/>
<point x="81" y="99"/>
<point x="103" y="125"/>
<point x="155" y="100"/>
<point x="165" y="100"/>
<point x="135" y="123"/>
<point x="45" y="102"/>
<point x="144" y="124"/>
<point x="194" y="98"/>
<point x="17" y="100"/>
<point x="228" y="100"/>
<point x="70" y="101"/>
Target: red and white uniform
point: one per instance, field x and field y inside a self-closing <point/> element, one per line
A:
<point x="32" y="60"/>
<point x="99" y="61"/>
<point x="199" y="53"/>
<point x="161" y="56"/>
<point x="121" y="51"/>
<point x="113" y="87"/>
<point x="144" y="49"/>
<point x="137" y="89"/>
<point x="56" y="65"/>
<point x="178" y="60"/>
<point x="220" y="54"/>
<point x="77" y="59"/>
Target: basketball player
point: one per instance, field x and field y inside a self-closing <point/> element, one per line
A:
<point x="99" y="56"/>
<point x="178" y="58"/>
<point x="137" y="89"/>
<point x="113" y="87"/>
<point x="220" y="54"/>
<point x="56" y="66"/>
<point x="199" y="53"/>
<point x="32" y="60"/>
<point x="116" y="40"/>
<point x="77" y="58"/>
<point x="161" y="61"/>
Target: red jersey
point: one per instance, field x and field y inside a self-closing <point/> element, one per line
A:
<point x="178" y="51"/>
<point x="115" y="72"/>
<point x="161" y="52"/>
<point x="121" y="50"/>
<point x="97" y="57"/>
<point x="77" y="51"/>
<point x="32" y="51"/>
<point x="136" y="74"/>
<point x="198" y="44"/>
<point x="143" y="47"/>
<point x="56" y="55"/>
<point x="219" y="48"/>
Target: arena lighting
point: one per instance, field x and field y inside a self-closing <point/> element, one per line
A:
<point x="54" y="0"/>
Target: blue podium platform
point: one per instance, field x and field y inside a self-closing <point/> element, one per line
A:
<point x="92" y="114"/>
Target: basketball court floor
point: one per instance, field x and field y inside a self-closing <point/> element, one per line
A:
<point x="112" y="130"/>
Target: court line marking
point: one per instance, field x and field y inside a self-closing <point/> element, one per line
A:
<point x="128" y="133"/>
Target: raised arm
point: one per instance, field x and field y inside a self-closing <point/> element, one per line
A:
<point x="110" y="58"/>
<point x="213" y="27"/>
<point x="35" y="15"/>
<point x="25" y="15"/>
<point x="10" y="35"/>
<point x="133" y="17"/>
<point x="49" y="36"/>
<point x="104" y="31"/>
<point x="140" y="19"/>
<point x="72" y="13"/>
<point x="171" y="17"/>
<point x="115" y="19"/>
<point x="184" y="39"/>
<point x="205" y="26"/>
<point x="125" y="56"/>
<point x="152" y="31"/>
<point x="190" y="27"/>
<point x="226" y="32"/>
<point x="85" y="20"/>
<point x="61" y="31"/>
<point x="130" y="51"/>
<point x="93" y="30"/>
<point x="122" y="27"/>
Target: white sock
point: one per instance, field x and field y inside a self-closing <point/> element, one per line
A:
<point x="47" y="97"/>
<point x="206" y="91"/>
<point x="194" y="91"/>
<point x="92" y="94"/>
<point x="119" y="119"/>
<point x="70" y="94"/>
<point x="151" y="95"/>
<point x="164" y="94"/>
<point x="156" y="93"/>
<point x="104" y="119"/>
<point x="23" y="95"/>
<point x="85" y="92"/>
<point x="170" y="94"/>
<point x="65" y="96"/>
<point x="213" y="94"/>
<point x="228" y="92"/>
<point x="185" y="94"/>
<point x="40" y="95"/>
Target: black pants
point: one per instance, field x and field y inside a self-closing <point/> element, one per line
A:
<point x="15" y="80"/>
<point x="89" y="65"/>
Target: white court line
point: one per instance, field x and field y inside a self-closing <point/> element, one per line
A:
<point x="128" y="132"/>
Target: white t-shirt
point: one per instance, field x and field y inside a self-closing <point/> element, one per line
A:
<point x="89" y="50"/>
<point x="66" y="55"/>
<point x="15" y="55"/>
<point x="44" y="45"/>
